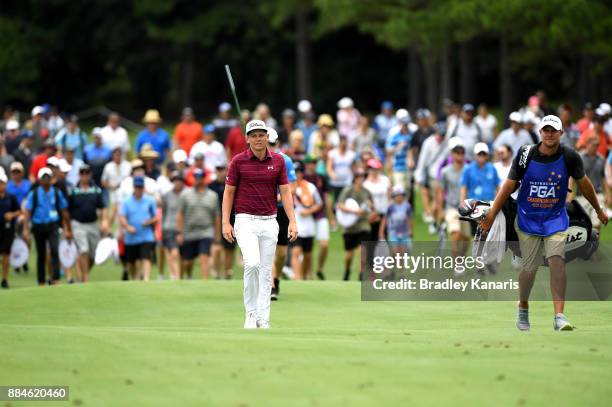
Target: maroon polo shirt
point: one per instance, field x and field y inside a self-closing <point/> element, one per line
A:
<point x="256" y="182"/>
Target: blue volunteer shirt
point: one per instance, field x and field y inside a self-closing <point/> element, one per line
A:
<point x="137" y="211"/>
<point x="399" y="158"/>
<point x="291" y="177"/>
<point x="46" y="207"/>
<point x="95" y="154"/>
<point x="160" y="141"/>
<point x="481" y="183"/>
<point x="20" y="191"/>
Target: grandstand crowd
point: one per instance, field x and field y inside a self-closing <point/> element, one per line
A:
<point x="161" y="195"/>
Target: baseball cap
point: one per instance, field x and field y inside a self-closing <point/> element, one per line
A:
<point x="137" y="163"/>
<point x="138" y="182"/>
<point x="398" y="190"/>
<point x="199" y="173"/>
<point x="199" y="156"/>
<point x="454" y="143"/>
<point x="387" y="104"/>
<point x="345" y="103"/>
<point x="12" y="125"/>
<point x="515" y="117"/>
<point x="256" y="125"/>
<point x="209" y="129"/>
<point x="224" y="107"/>
<point x="44" y="171"/>
<point x="304" y="106"/>
<point x="53" y="161"/>
<point x="16" y="166"/>
<point x="272" y="135"/>
<point x="309" y="159"/>
<point x="468" y="107"/>
<point x="551" y="120"/>
<point x="187" y="111"/>
<point x="37" y="110"/>
<point x="179" y="156"/>
<point x="3" y="177"/>
<point x="423" y="114"/>
<point x="606" y="107"/>
<point x="64" y="166"/>
<point x="481" y="148"/>
<point x="288" y="113"/>
<point x="402" y="113"/>
<point x="97" y="131"/>
<point x="374" y="164"/>
<point x="84" y="168"/>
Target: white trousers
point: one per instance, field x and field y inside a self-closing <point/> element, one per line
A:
<point x="257" y="239"/>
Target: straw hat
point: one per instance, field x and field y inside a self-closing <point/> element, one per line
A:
<point x="325" y="120"/>
<point x="147" y="153"/>
<point x="152" y="116"/>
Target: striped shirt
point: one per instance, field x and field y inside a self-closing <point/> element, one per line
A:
<point x="256" y="182"/>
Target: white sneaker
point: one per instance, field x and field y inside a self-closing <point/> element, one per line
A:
<point x="287" y="272"/>
<point x="251" y="320"/>
<point x="263" y="324"/>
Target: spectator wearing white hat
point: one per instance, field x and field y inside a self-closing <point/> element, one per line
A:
<point x="606" y="110"/>
<point x="37" y="127"/>
<point x="115" y="136"/>
<point x="46" y="206"/>
<point x="188" y="131"/>
<point x="12" y="135"/>
<point x="467" y="129"/>
<point x="514" y="136"/>
<point x="224" y="122"/>
<point x="307" y="121"/>
<point x="348" y="119"/>
<point x="9" y="212"/>
<point x="479" y="179"/>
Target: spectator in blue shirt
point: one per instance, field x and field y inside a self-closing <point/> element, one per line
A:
<point x="400" y="155"/>
<point x="137" y="217"/>
<point x="97" y="155"/>
<point x="384" y="122"/>
<point x="158" y="138"/>
<point x="479" y="179"/>
<point x="72" y="137"/>
<point x="46" y="206"/>
<point x="18" y="185"/>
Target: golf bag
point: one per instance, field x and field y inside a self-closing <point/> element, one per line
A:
<point x="582" y="240"/>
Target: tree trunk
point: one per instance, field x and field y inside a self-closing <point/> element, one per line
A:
<point x="430" y="70"/>
<point x="446" y="75"/>
<point x="302" y="55"/>
<point x="187" y="73"/>
<point x="415" y="79"/>
<point x="466" y="73"/>
<point x="505" y="78"/>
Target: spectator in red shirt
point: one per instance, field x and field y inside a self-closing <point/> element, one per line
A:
<point x="587" y="116"/>
<point x="188" y="131"/>
<point x="598" y="131"/>
<point x="40" y="160"/>
<point x="236" y="141"/>
<point x="198" y="164"/>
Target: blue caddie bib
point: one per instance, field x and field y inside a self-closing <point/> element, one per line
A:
<point x="541" y="199"/>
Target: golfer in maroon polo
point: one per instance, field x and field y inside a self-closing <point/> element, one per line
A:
<point x="252" y="182"/>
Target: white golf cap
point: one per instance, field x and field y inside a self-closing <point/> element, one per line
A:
<point x="272" y="135"/>
<point x="53" y="160"/>
<point x="397" y="190"/>
<point x="64" y="166"/>
<point x="3" y="177"/>
<point x="605" y="107"/>
<point x="455" y="142"/>
<point x="16" y="166"/>
<point x="12" y="125"/>
<point x="403" y="115"/>
<point x="37" y="110"/>
<point x="225" y="107"/>
<point x="345" y="103"/>
<point x="516" y="117"/>
<point x="600" y="112"/>
<point x="44" y="171"/>
<point x="481" y="148"/>
<point x="256" y="125"/>
<point x="97" y="131"/>
<point x="551" y="120"/>
<point x="304" y="106"/>
<point x="179" y="156"/>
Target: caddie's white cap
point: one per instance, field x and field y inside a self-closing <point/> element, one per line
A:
<point x="481" y="148"/>
<point x="179" y="156"/>
<point x="304" y="106"/>
<point x="256" y="125"/>
<point x="272" y="135"/>
<point x="44" y="171"/>
<point x="606" y="108"/>
<point x="551" y="120"/>
<point x="64" y="166"/>
<point x="455" y="142"/>
<point x="345" y="103"/>
<point x="516" y="117"/>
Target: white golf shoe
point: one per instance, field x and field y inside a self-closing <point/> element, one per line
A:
<point x="251" y="320"/>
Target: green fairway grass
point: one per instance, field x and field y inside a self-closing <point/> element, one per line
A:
<point x="182" y="343"/>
